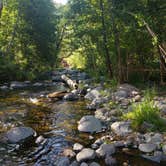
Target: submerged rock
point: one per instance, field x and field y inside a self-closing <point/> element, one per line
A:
<point x="89" y="124"/>
<point x="86" y="154"/>
<point x="68" y="153"/>
<point x="20" y="134"/>
<point x="62" y="161"/>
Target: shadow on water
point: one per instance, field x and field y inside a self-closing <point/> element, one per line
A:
<point x="56" y="121"/>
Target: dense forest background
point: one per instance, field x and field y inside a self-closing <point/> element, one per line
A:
<point x="122" y="40"/>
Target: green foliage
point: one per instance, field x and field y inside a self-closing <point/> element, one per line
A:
<point x="76" y="60"/>
<point x="111" y="83"/>
<point x="146" y="111"/>
<point x="36" y="35"/>
<point x="85" y="32"/>
<point x="28" y="31"/>
<point x="150" y="94"/>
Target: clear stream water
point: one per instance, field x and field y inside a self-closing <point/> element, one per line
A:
<point x="55" y="120"/>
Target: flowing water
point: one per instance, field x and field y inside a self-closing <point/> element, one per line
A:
<point x="56" y="121"/>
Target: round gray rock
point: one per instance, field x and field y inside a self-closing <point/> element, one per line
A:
<point x="89" y="124"/>
<point x="77" y="147"/>
<point x="74" y="163"/>
<point x="105" y="150"/>
<point x="121" y="128"/>
<point x="94" y="164"/>
<point x="20" y="134"/>
<point x="147" y="147"/>
<point x="84" y="164"/>
<point x="86" y="154"/>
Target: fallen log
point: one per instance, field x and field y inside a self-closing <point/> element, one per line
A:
<point x="72" y="84"/>
<point x="59" y="94"/>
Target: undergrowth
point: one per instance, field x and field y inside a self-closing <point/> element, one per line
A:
<point x="146" y="111"/>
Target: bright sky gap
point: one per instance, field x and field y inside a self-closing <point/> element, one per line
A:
<point x="61" y="1"/>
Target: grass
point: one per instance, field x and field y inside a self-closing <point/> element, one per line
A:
<point x="146" y="111"/>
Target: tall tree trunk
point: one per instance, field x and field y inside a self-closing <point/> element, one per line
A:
<point x="116" y="42"/>
<point x="105" y="40"/>
<point x="118" y="53"/>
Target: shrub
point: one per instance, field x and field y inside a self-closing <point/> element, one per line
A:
<point x="146" y="111"/>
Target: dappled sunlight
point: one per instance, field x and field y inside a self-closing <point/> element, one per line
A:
<point x="82" y="82"/>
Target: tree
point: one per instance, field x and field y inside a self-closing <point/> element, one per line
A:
<point x="28" y="35"/>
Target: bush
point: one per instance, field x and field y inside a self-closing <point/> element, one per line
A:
<point x="146" y="111"/>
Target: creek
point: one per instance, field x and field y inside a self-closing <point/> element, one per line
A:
<point x="54" y="120"/>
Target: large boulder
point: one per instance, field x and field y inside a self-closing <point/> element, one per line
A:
<point x="121" y="128"/>
<point x="20" y="134"/>
<point x="86" y="154"/>
<point x="89" y="124"/>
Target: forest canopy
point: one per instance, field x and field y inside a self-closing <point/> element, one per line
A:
<point x="120" y="40"/>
